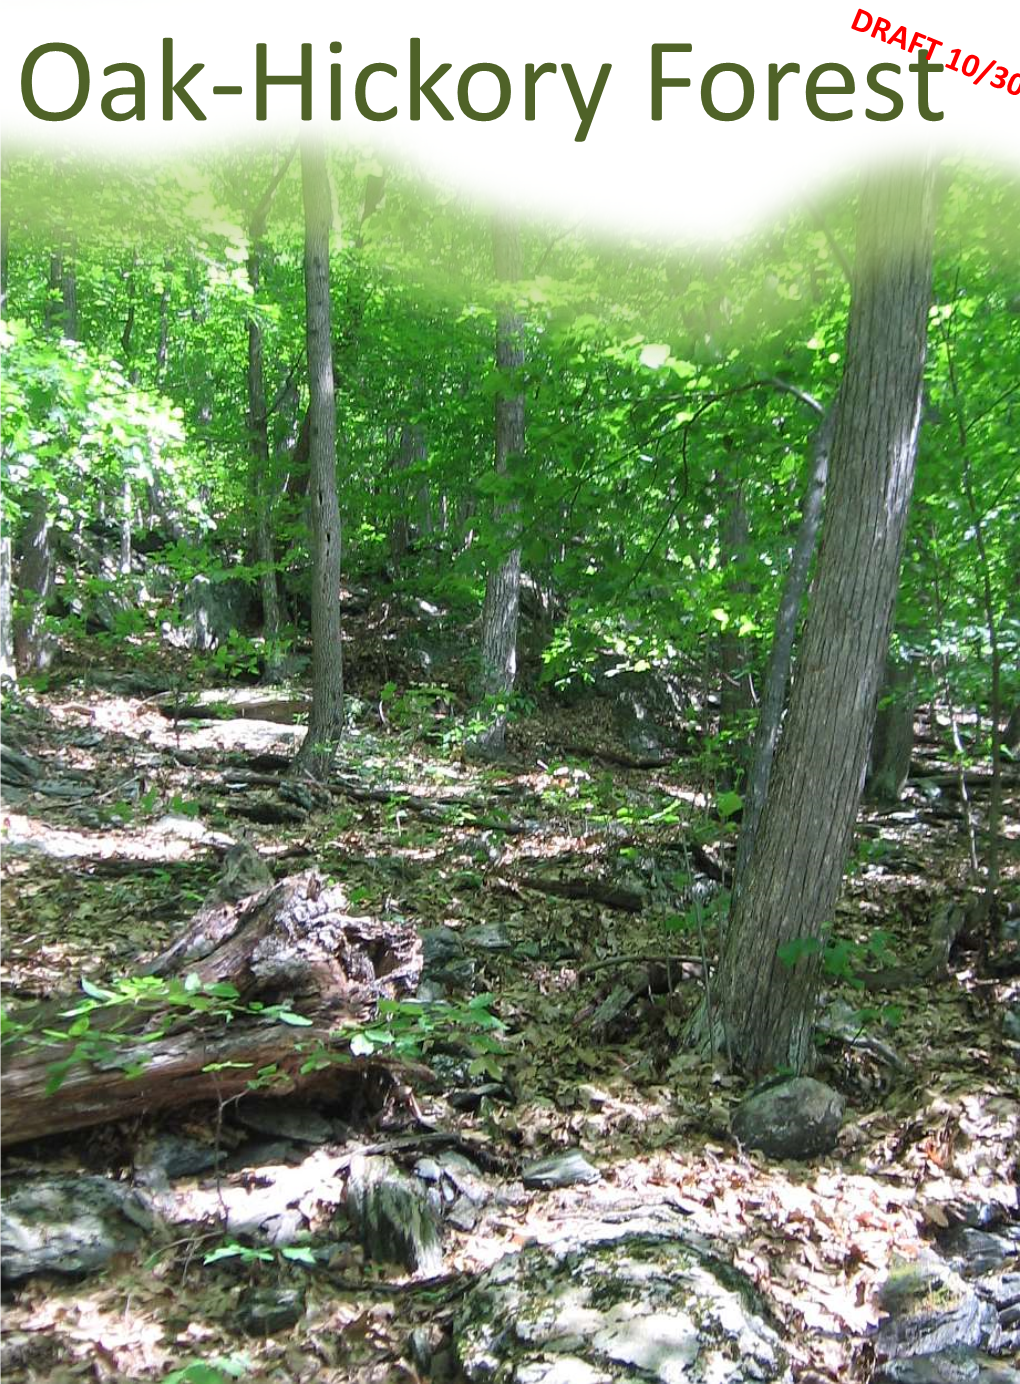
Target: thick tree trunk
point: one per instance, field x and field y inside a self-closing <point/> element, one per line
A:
<point x="503" y="584"/>
<point x="294" y="942"/>
<point x="325" y="723"/>
<point x="796" y="864"/>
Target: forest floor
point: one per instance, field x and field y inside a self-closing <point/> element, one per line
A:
<point x="99" y="877"/>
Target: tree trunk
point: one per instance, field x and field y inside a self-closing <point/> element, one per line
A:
<point x="1011" y="735"/>
<point x="294" y="943"/>
<point x="258" y="430"/>
<point x="5" y="252"/>
<point x="735" y="700"/>
<point x="325" y="723"/>
<point x="892" y="741"/>
<point x="503" y="583"/>
<point x="163" y="336"/>
<point x="777" y="675"/>
<point x="33" y="644"/>
<point x="410" y="452"/>
<point x="796" y="863"/>
<point x="8" y="667"/>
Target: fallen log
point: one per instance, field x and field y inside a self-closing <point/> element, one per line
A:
<point x="292" y="948"/>
<point x="592" y="890"/>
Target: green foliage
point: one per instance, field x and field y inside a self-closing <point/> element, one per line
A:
<point x="218" y="1370"/>
<point x="411" y="1028"/>
<point x="260" y="1254"/>
<point x="103" y="1028"/>
<point x="840" y="958"/>
<point x="659" y="381"/>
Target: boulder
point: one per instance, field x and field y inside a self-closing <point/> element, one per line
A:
<point x="637" y="1300"/>
<point x="69" y="1225"/>
<point x="393" y="1216"/>
<point x="799" y="1118"/>
<point x="210" y="609"/>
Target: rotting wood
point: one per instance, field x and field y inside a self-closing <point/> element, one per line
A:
<point x="293" y="943"/>
<point x="597" y="891"/>
<point x="606" y="755"/>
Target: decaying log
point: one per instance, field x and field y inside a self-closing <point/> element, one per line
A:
<point x="293" y="943"/>
<point x="584" y="887"/>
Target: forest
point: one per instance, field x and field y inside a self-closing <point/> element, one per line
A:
<point x="510" y="789"/>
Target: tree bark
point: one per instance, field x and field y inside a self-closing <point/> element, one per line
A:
<point x="258" y="429"/>
<point x="777" y="675"/>
<point x="735" y="700"/>
<point x="892" y="741"/>
<point x="293" y="942"/>
<point x="325" y="723"/>
<point x="8" y="667"/>
<point x="795" y="867"/>
<point x="503" y="583"/>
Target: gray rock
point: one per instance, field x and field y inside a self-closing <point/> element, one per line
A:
<point x="393" y="1216"/>
<point x="440" y="945"/>
<point x="974" y="1253"/>
<point x="69" y="1225"/>
<point x="210" y="610"/>
<point x="959" y="1366"/>
<point x="798" y="1119"/>
<point x="930" y="1309"/>
<point x="168" y="1155"/>
<point x="560" y="1170"/>
<point x="264" y="1311"/>
<point x="624" y="1303"/>
<point x="488" y="937"/>
<point x="284" y="1119"/>
<point x="444" y="960"/>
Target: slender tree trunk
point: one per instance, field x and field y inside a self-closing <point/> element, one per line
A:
<point x="325" y="723"/>
<point x="892" y="741"/>
<point x="400" y="525"/>
<point x="992" y="626"/>
<point x="795" y="867"/>
<point x="33" y="646"/>
<point x="8" y="667"/>
<point x="777" y="674"/>
<point x="163" y="335"/>
<point x="258" y="430"/>
<point x="5" y="255"/>
<point x="503" y="584"/>
<point x="735" y="700"/>
<point x="410" y="451"/>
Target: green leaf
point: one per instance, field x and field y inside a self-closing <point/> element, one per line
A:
<point x="299" y="1254"/>
<point x="95" y="991"/>
<point x="791" y="952"/>
<point x="288" y="1016"/>
<point x="728" y="804"/>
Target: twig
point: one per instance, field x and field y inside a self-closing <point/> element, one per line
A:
<point x="662" y="960"/>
